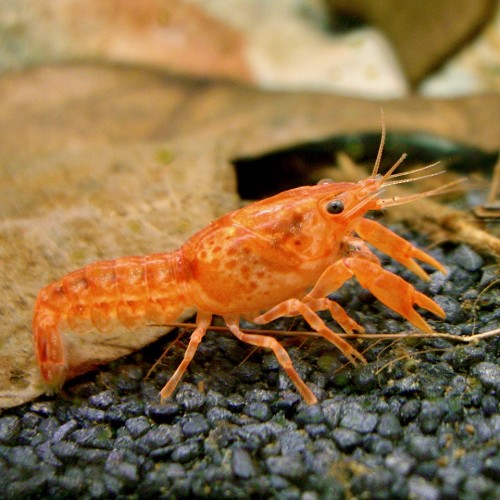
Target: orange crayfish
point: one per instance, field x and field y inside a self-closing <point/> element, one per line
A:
<point x="278" y="257"/>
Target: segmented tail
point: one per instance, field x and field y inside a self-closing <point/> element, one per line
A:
<point x="49" y="348"/>
<point x="131" y="291"/>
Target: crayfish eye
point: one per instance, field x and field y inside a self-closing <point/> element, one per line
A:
<point x="334" y="207"/>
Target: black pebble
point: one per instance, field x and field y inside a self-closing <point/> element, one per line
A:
<point x="242" y="464"/>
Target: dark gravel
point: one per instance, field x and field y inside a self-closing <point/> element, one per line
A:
<point x="420" y="421"/>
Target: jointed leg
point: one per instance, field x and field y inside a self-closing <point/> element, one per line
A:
<point x="390" y="289"/>
<point x="278" y="350"/>
<point x="203" y="321"/>
<point x="331" y="279"/>
<point x="295" y="307"/>
<point x="336" y="310"/>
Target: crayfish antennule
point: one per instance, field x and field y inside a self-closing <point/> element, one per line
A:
<point x="388" y="174"/>
<point x="380" y="148"/>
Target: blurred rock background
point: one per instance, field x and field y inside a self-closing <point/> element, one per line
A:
<point x="354" y="47"/>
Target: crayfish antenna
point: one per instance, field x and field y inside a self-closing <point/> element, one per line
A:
<point x="400" y="200"/>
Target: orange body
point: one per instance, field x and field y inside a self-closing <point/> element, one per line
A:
<point x="281" y="257"/>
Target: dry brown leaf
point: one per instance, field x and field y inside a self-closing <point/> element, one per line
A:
<point x="280" y="45"/>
